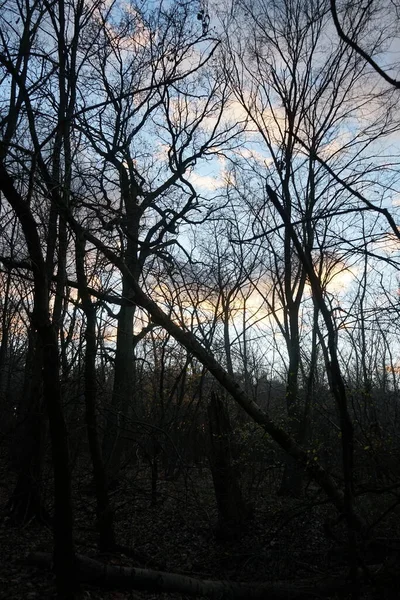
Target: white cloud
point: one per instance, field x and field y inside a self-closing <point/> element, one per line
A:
<point x="251" y="154"/>
<point x="207" y="182"/>
<point x="341" y="279"/>
<point x="389" y="243"/>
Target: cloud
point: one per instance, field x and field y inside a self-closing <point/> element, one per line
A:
<point x="254" y="155"/>
<point x="206" y="182"/>
<point x="211" y="182"/>
<point x="389" y="243"/>
<point x="341" y="278"/>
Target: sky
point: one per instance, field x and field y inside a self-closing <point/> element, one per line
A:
<point x="251" y="152"/>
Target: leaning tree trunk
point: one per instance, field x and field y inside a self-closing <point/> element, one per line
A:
<point x="232" y="510"/>
<point x="118" y="577"/>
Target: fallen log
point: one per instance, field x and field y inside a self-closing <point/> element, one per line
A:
<point x="131" y="578"/>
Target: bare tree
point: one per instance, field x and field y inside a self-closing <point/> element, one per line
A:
<point x="355" y="16"/>
<point x="151" y="83"/>
<point x="106" y="113"/>
<point x="275" y="84"/>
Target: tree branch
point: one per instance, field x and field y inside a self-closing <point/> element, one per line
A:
<point x="350" y="42"/>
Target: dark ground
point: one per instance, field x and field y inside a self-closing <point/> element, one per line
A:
<point x="285" y="539"/>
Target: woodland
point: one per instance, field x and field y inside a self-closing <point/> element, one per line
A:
<point x="199" y="299"/>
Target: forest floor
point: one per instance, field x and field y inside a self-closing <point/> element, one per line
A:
<point x="284" y="540"/>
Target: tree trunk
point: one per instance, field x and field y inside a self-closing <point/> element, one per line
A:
<point x="292" y="479"/>
<point x="132" y="578"/>
<point x="232" y="510"/>
<point x="122" y="394"/>
<point x="104" y="511"/>
<point x="5" y="330"/>
<point x="64" y="551"/>
<point x="26" y="502"/>
<point x="122" y="397"/>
